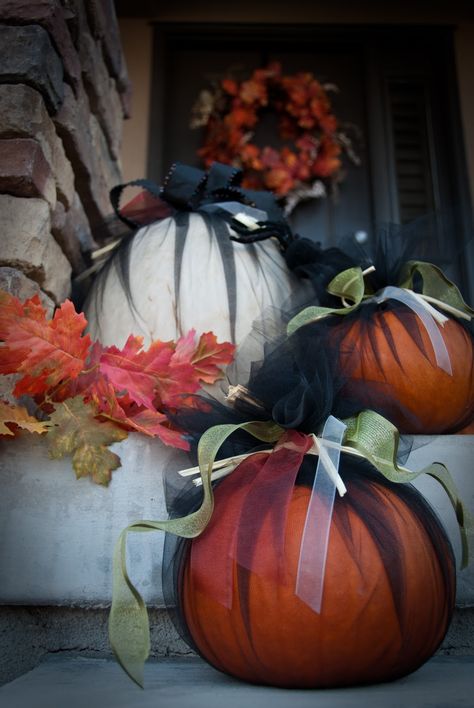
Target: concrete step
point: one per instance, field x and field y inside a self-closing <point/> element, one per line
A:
<point x="58" y="533"/>
<point x="444" y="682"/>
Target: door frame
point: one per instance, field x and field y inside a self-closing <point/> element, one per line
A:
<point x="382" y="48"/>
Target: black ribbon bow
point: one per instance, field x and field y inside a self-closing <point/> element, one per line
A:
<point x="187" y="188"/>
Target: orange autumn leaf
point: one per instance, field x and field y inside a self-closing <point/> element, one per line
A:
<point x="44" y="351"/>
<point x="210" y="356"/>
<point x="11" y="309"/>
<point x="254" y="91"/>
<point x="230" y="86"/>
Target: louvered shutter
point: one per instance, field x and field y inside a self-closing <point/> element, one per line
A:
<point x="411" y="148"/>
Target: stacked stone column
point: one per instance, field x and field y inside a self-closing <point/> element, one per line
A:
<point x="64" y="93"/>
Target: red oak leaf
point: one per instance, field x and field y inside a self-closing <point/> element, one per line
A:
<point x="84" y="384"/>
<point x="146" y="374"/>
<point x="11" y="309"/>
<point x="210" y="355"/>
<point x="124" y="411"/>
<point x="45" y="351"/>
<point x="136" y="371"/>
<point x="156" y="424"/>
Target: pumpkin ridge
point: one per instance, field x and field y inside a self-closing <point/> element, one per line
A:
<point x="180" y="234"/>
<point x="388" y="594"/>
<point x="228" y="264"/>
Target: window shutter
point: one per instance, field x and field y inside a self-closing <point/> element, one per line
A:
<point x="411" y="148"/>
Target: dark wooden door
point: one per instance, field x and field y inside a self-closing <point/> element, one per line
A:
<point x="397" y="85"/>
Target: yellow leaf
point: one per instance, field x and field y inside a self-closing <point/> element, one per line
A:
<point x="18" y="416"/>
<point x="74" y="430"/>
<point x="95" y="460"/>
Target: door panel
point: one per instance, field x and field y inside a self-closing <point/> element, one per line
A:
<point x="397" y="85"/>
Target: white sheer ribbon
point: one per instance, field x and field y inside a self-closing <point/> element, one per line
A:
<point x="427" y="314"/>
<point x="315" y="539"/>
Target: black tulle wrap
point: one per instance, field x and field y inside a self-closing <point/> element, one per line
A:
<point x="297" y="385"/>
<point x="389" y="360"/>
<point x="421" y="616"/>
<point x="212" y="584"/>
<point x="391" y="246"/>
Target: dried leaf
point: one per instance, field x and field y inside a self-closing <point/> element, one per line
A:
<point x="75" y="430"/>
<point x="95" y="461"/>
<point x="18" y="416"/>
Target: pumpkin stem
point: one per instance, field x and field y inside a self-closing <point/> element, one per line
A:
<point x="241" y="393"/>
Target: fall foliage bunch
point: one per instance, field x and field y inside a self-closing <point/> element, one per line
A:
<point x="84" y="396"/>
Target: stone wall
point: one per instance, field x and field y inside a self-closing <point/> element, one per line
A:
<point x="64" y="93"/>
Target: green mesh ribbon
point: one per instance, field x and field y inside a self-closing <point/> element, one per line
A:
<point x="129" y="630"/>
<point x="349" y="285"/>
<point x="368" y="434"/>
<point x="376" y="439"/>
<point x="436" y="287"/>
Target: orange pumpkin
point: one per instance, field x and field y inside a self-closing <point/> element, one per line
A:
<point x="391" y="368"/>
<point x="388" y="590"/>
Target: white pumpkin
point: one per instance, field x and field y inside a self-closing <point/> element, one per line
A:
<point x="184" y="272"/>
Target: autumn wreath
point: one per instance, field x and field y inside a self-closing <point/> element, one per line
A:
<point x="312" y="141"/>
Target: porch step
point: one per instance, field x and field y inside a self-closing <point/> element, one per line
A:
<point x="58" y="533"/>
<point x="190" y="683"/>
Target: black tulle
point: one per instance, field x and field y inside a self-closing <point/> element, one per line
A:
<point x="392" y="246"/>
<point x="298" y="384"/>
<point x="363" y="497"/>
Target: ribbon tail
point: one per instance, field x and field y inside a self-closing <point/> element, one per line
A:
<point x="437" y="286"/>
<point x="464" y="518"/>
<point x="376" y="439"/>
<point x="315" y="539"/>
<point x="129" y="630"/>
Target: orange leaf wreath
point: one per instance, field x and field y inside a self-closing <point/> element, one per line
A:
<point x="88" y="396"/>
<point x="313" y="141"/>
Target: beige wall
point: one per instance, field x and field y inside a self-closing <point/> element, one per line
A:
<point x="137" y="45"/>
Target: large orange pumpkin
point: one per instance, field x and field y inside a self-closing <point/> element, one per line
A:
<point x="391" y="367"/>
<point x="388" y="597"/>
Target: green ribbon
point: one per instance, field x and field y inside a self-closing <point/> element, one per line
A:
<point x="435" y="285"/>
<point x="349" y="285"/>
<point x="129" y="630"/>
<point x="376" y="439"/>
<point x="368" y="434"/>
